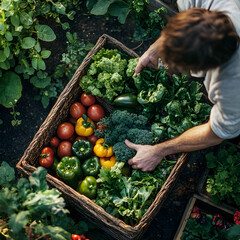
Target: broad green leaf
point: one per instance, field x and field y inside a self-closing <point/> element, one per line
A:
<point x="65" y="26"/>
<point x="9" y="36"/>
<point x="41" y="64"/>
<point x="38" y="179"/>
<point x="28" y="42"/>
<point x="2" y="27"/>
<point x="7" y="174"/>
<point x="120" y="10"/>
<point x="3" y="57"/>
<point x="38" y="47"/>
<point x="35" y="63"/>
<point x="71" y="14"/>
<point x="15" y="20"/>
<point x="6" y="5"/>
<point x="60" y="8"/>
<point x="40" y="83"/>
<point x="19" y="221"/>
<point x="5" y="65"/>
<point x="7" y="51"/>
<point x="101" y="7"/>
<point x="45" y="33"/>
<point x="26" y="19"/>
<point x="10" y="88"/>
<point x="19" y="28"/>
<point x="90" y="4"/>
<point x="45" y="53"/>
<point x="46" y="8"/>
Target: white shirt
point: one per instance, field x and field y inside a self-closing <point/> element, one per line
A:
<point x="223" y="83"/>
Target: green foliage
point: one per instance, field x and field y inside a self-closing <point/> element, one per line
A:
<point x="106" y="75"/>
<point x="223" y="180"/>
<point x="148" y="23"/>
<point x="128" y="198"/>
<point x="30" y="204"/>
<point x="123" y="125"/>
<point x="172" y="105"/>
<point x="20" y="36"/>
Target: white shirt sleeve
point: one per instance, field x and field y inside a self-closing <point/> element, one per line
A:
<point x="225" y="114"/>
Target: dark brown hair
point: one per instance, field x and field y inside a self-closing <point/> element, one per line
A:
<point x="198" y="39"/>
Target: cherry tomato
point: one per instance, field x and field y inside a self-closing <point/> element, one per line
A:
<point x="92" y="138"/>
<point x="87" y="100"/>
<point x="46" y="158"/>
<point x="95" y="112"/>
<point x="64" y="149"/>
<point x="76" y="237"/>
<point x="54" y="142"/>
<point x="77" y="110"/>
<point x="80" y="137"/>
<point x="65" y="130"/>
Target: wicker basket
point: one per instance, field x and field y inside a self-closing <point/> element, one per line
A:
<point x="59" y="113"/>
<point x="205" y="205"/>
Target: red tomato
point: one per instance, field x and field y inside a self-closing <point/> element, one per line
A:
<point x="64" y="149"/>
<point x="65" y="130"/>
<point x="80" y="137"/>
<point x="95" y="112"/>
<point x="92" y="138"/>
<point x="54" y="142"/>
<point x="77" y="110"/>
<point x="87" y="100"/>
<point x="76" y="237"/>
<point x="47" y="157"/>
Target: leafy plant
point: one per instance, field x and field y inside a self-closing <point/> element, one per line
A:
<point x="28" y="206"/>
<point x="223" y="180"/>
<point x="20" y="35"/>
<point x="148" y="23"/>
<point x="15" y="114"/>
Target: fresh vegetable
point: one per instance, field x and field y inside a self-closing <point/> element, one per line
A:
<point x="65" y="130"/>
<point x="81" y="137"/>
<point x="84" y="126"/>
<point x="88" y="187"/>
<point x="55" y="163"/>
<point x="108" y="162"/>
<point x="127" y="100"/>
<point x="128" y="198"/>
<point x="101" y="149"/>
<point x="69" y="169"/>
<point x="121" y="125"/>
<point x="91" y="166"/>
<point x="46" y="158"/>
<point x="93" y="139"/>
<point x="54" y="142"/>
<point x="77" y="110"/>
<point x="105" y="76"/>
<point x="82" y="149"/>
<point x="87" y="99"/>
<point x="64" y="149"/>
<point x="95" y="112"/>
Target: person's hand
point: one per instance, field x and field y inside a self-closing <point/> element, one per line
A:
<point x="147" y="157"/>
<point x="148" y="59"/>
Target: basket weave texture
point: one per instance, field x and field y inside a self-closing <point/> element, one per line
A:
<point x="60" y="113"/>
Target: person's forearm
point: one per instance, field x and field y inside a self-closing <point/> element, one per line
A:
<point x="196" y="138"/>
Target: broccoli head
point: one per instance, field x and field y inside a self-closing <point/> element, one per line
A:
<point x="122" y="152"/>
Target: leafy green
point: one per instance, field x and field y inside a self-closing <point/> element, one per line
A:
<point x="105" y="76"/>
<point x="223" y="179"/>
<point x="29" y="203"/>
<point x="129" y="198"/>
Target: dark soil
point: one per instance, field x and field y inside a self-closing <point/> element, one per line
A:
<point x="14" y="140"/>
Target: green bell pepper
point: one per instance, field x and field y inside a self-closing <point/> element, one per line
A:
<point x="91" y="166"/>
<point x="88" y="187"/>
<point x="82" y="149"/>
<point x="69" y="169"/>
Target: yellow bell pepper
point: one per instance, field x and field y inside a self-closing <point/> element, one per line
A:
<point x="101" y="149"/>
<point x="108" y="162"/>
<point x="84" y="126"/>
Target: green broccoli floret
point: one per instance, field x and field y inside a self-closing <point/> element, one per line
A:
<point x="123" y="125"/>
<point x="122" y="152"/>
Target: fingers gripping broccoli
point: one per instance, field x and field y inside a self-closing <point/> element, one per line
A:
<point x="123" y="125"/>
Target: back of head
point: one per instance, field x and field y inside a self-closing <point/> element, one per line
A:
<point x="198" y="39"/>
